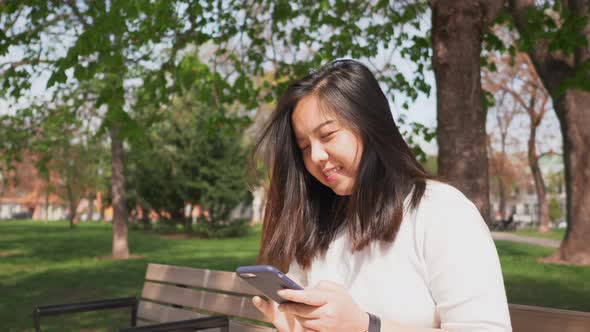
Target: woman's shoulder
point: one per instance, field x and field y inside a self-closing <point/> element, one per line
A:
<point x="443" y="204"/>
<point x="443" y="194"/>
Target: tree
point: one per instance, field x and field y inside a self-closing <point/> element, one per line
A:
<point x="555" y="35"/>
<point x="458" y="27"/>
<point x="555" y="211"/>
<point x="64" y="151"/>
<point x="504" y="173"/>
<point x="113" y="43"/>
<point x="500" y="165"/>
<point x="110" y="43"/>
<point x="200" y="155"/>
<point x="533" y="98"/>
<point x="517" y="82"/>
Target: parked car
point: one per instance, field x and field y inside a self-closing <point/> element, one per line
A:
<point x="560" y="223"/>
<point x="22" y="215"/>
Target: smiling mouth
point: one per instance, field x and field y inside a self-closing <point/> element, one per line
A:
<point x="332" y="172"/>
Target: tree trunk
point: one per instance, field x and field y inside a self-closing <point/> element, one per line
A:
<point x="90" y="209"/>
<point x="72" y="214"/>
<point x="555" y="68"/>
<point x="72" y="201"/>
<point x="457" y="28"/>
<point x="101" y="212"/>
<point x="120" y="246"/>
<point x="502" y="198"/>
<point x="47" y="203"/>
<point x="188" y="221"/>
<point x="541" y="190"/>
<point x="501" y="184"/>
<point x="145" y="218"/>
<point x="572" y="112"/>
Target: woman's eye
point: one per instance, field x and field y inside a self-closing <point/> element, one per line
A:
<point x="327" y="135"/>
<point x="304" y="148"/>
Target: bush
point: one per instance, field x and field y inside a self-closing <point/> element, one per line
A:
<point x="233" y="228"/>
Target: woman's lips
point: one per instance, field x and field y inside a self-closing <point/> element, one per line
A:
<point x="332" y="174"/>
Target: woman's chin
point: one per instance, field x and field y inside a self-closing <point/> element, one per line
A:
<point x="341" y="191"/>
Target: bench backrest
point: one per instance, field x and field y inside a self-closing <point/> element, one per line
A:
<point x="529" y="318"/>
<point x="172" y="293"/>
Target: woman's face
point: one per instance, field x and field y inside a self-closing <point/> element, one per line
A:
<point x="331" y="151"/>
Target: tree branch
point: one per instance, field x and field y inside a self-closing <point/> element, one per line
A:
<point x="38" y="28"/>
<point x="74" y="7"/>
<point x="553" y="67"/>
<point x="14" y="19"/>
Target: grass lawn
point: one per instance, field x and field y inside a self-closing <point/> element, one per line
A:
<point x="556" y="234"/>
<point x="45" y="264"/>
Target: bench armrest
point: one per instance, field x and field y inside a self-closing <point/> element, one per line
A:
<point x="198" y="323"/>
<point x="68" y="308"/>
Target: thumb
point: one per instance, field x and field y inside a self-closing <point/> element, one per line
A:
<point x="264" y="307"/>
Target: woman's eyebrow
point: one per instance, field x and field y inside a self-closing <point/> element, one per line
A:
<point x="322" y="124"/>
<point x="316" y="129"/>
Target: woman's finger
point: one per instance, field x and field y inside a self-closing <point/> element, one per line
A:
<point x="306" y="296"/>
<point x="312" y="325"/>
<point x="303" y="323"/>
<point x="300" y="310"/>
<point x="264" y="307"/>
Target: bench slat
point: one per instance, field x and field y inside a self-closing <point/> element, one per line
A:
<point x="201" y="278"/>
<point x="236" y="326"/>
<point x="142" y="322"/>
<point x="231" y="305"/>
<point x="529" y="318"/>
<point x="155" y="312"/>
<point x="163" y="314"/>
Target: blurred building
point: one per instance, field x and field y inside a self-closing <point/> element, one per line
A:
<point x="521" y="198"/>
<point x="24" y="194"/>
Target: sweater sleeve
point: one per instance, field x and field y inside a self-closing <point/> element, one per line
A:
<point x="462" y="265"/>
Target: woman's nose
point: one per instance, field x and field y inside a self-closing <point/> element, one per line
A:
<point x="318" y="153"/>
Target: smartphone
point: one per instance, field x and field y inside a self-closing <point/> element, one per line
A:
<point x="267" y="279"/>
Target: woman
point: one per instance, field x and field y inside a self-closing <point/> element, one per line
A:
<point x="377" y="243"/>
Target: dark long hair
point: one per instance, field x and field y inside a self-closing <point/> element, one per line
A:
<point x="302" y="216"/>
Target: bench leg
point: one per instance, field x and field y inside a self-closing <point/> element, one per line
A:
<point x="134" y="314"/>
<point x="37" y="320"/>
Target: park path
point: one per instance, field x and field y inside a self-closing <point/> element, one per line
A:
<point x="505" y="236"/>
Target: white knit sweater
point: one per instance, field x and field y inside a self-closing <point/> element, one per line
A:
<point x="441" y="271"/>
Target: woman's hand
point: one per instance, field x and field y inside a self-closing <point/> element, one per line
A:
<point x="325" y="307"/>
<point x="283" y="321"/>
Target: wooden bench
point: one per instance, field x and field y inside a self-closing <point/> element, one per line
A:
<point x="175" y="293"/>
<point x="538" y="319"/>
<point x="172" y="285"/>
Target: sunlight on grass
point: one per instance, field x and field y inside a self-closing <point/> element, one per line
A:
<point x="556" y="234"/>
